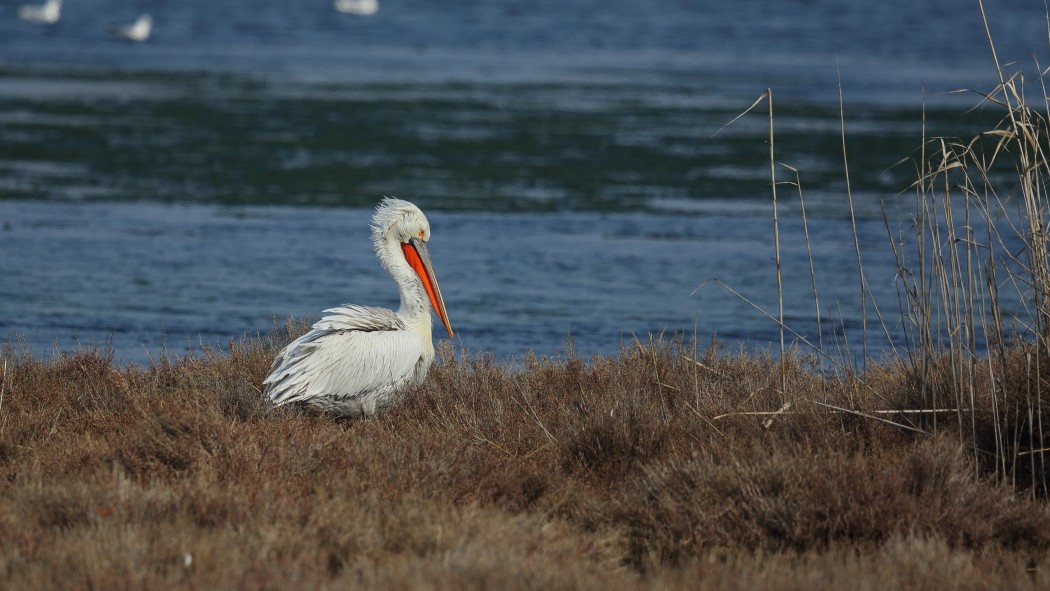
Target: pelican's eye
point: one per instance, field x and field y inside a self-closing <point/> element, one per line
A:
<point x="421" y="233"/>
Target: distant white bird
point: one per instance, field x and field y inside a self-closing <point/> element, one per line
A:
<point x="356" y="360"/>
<point x="47" y="13"/>
<point x="136" y="31"/>
<point x="358" y="7"/>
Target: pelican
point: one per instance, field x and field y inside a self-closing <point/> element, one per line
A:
<point x="46" y="13"/>
<point x="136" y="31"/>
<point x="358" y="7"/>
<point x="357" y="360"/>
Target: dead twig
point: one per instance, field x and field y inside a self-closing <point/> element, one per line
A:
<point x="872" y="417"/>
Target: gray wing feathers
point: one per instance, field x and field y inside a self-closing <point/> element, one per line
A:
<point x="352" y="352"/>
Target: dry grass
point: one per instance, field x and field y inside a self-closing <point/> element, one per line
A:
<point x="974" y="278"/>
<point x="627" y="472"/>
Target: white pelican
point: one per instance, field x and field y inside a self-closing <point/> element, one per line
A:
<point x="356" y="360"/>
<point x="358" y="7"/>
<point x="46" y="13"/>
<point x="136" y="31"/>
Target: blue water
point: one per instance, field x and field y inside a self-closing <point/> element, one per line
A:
<point x="884" y="48"/>
<point x="151" y="278"/>
<point x="571" y="157"/>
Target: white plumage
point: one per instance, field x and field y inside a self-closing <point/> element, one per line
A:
<point x="357" y="360"/>
<point x="47" y="13"/>
<point x="137" y="31"/>
<point x="358" y="7"/>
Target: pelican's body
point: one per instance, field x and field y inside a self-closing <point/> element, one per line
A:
<point x="358" y="7"/>
<point x="357" y="360"/>
<point x="47" y="13"/>
<point x="138" y="31"/>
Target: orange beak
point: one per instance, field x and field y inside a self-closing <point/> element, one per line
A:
<point x="419" y="259"/>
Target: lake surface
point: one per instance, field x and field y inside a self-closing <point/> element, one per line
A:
<point x="571" y="158"/>
<point x="149" y="277"/>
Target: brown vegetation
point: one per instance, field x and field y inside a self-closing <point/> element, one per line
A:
<point x="635" y="471"/>
<point x="659" y="468"/>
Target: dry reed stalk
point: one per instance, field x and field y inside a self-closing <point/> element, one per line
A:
<point x="812" y="270"/>
<point x="954" y="299"/>
<point x="1026" y="131"/>
<point x="776" y="245"/>
<point x="853" y="221"/>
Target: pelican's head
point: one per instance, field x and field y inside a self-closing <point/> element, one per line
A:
<point x="400" y="223"/>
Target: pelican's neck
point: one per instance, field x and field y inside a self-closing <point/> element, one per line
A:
<point x="415" y="305"/>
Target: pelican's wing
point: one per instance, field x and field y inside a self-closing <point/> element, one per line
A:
<point x="350" y="353"/>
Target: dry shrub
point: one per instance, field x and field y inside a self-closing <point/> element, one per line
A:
<point x="800" y="499"/>
<point x="907" y="563"/>
<point x="624" y="471"/>
<point x="610" y="442"/>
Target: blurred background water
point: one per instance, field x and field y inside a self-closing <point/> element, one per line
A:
<point x="196" y="186"/>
